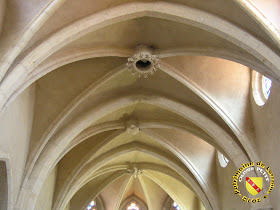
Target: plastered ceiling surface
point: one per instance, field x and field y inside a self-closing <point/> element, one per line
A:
<point x="132" y="100"/>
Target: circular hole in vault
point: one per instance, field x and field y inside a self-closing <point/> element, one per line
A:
<point x="143" y="65"/>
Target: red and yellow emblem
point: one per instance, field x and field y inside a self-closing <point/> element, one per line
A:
<point x="254" y="185"/>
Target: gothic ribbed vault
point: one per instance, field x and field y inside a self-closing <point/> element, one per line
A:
<point x="122" y="101"/>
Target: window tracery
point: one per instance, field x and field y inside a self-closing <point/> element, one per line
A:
<point x="133" y="206"/>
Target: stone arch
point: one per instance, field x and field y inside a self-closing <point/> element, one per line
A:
<point x="111" y="179"/>
<point x="169" y="70"/>
<point x="168" y="202"/>
<point x="94" y="130"/>
<point x="271" y="30"/>
<point x="46" y="13"/>
<point x="145" y="166"/>
<point x="28" y="33"/>
<point x="173" y="72"/>
<point x="134" y="198"/>
<point x="193" y="170"/>
<point x="242" y="137"/>
<point x="164" y="10"/>
<point x="99" y="202"/>
<point x="64" y="114"/>
<point x="52" y="141"/>
<point x="160" y="140"/>
<point x="83" y="163"/>
<point x="121" y="150"/>
<point x="56" y="146"/>
<point x="165" y="185"/>
<point x="83" y="54"/>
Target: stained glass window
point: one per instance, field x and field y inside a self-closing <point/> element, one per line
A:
<point x="133" y="206"/>
<point x="175" y="206"/>
<point x="266" y="85"/>
<point x="92" y="206"/>
<point x="261" y="87"/>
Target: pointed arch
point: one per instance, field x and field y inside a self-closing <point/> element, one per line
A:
<point x="164" y="10"/>
<point x="268" y="27"/>
<point x="133" y="198"/>
<point x="119" y="127"/>
<point x="170" y="70"/>
<point x="56" y="146"/>
<point x="100" y="161"/>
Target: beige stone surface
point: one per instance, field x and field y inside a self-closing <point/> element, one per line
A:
<point x="77" y="125"/>
<point x="15" y="129"/>
<point x="45" y="198"/>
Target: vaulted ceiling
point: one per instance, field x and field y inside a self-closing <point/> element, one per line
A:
<point x="110" y="134"/>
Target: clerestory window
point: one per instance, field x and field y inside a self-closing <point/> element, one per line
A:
<point x="92" y="205"/>
<point x="133" y="206"/>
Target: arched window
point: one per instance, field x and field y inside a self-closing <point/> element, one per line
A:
<point x="175" y="206"/>
<point x="261" y="88"/>
<point x="92" y="205"/>
<point x="266" y="85"/>
<point x="222" y="160"/>
<point x="133" y="206"/>
<point x="132" y="202"/>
